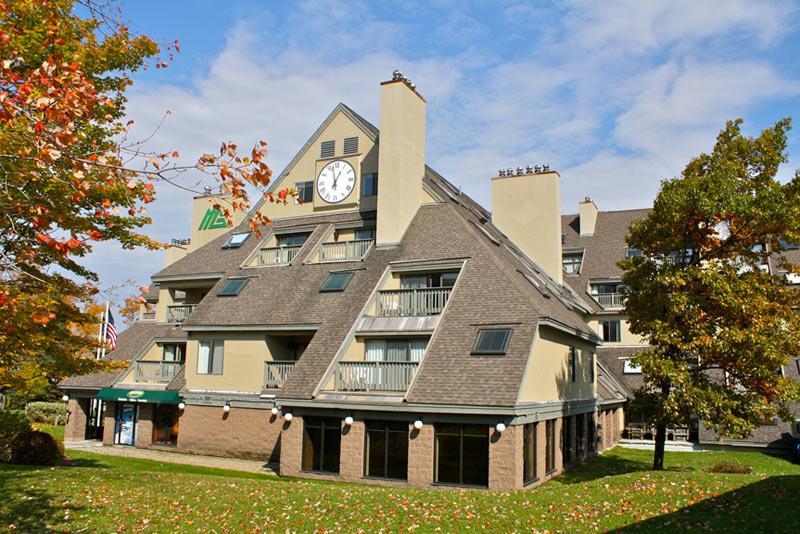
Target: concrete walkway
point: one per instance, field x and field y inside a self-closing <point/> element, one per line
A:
<point x="97" y="447"/>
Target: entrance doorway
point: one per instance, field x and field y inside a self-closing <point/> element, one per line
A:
<point x="94" y="422"/>
<point x="125" y="428"/>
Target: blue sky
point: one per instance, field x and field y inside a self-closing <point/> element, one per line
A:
<point x="613" y="95"/>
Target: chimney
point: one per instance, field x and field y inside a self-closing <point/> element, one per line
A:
<point x="587" y="211"/>
<point x="208" y="222"/>
<point x="401" y="158"/>
<point x="526" y="207"/>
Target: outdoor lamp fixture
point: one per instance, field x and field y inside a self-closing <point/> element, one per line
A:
<point x="65" y="398"/>
<point x="418" y="424"/>
<point x="274" y="410"/>
<point x="181" y="405"/>
<point x="227" y="407"/>
<point x="348" y="420"/>
<point x="500" y="427"/>
<point x="287" y="417"/>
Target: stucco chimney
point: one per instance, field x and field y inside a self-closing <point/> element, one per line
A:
<point x="587" y="211"/>
<point x="208" y="222"/>
<point x="526" y="207"/>
<point x="401" y="158"/>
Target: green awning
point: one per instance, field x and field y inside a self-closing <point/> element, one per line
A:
<point x="139" y="395"/>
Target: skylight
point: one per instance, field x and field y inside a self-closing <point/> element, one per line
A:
<point x="232" y="287"/>
<point x="336" y="281"/>
<point x="236" y="240"/>
<point x="492" y="341"/>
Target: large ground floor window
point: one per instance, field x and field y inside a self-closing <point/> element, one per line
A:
<point x="462" y="454"/>
<point x="529" y="449"/>
<point x="550" y="446"/>
<point x="322" y="438"/>
<point x="580" y="436"/>
<point x="567" y="441"/>
<point x="165" y="424"/>
<point x="387" y="449"/>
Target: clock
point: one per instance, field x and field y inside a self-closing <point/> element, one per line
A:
<point x="336" y="181"/>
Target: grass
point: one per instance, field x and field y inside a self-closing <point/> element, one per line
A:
<point x="55" y="431"/>
<point x="614" y="491"/>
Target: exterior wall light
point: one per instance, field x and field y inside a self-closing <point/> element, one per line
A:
<point x="287" y="417"/>
<point x="227" y="407"/>
<point x="418" y="424"/>
<point x="181" y="405"/>
<point x="274" y="410"/>
<point x="348" y="420"/>
<point x="500" y="427"/>
<point x="65" y="398"/>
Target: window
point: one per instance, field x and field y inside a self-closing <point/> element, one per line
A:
<point x="550" y="446"/>
<point x="236" y="240"/>
<point x="232" y="287"/>
<point x="530" y="433"/>
<point x="420" y="281"/>
<point x="387" y="449"/>
<point x="291" y="240"/>
<point x="491" y="341"/>
<point x="173" y="352"/>
<point x="580" y="435"/>
<point x="571" y="261"/>
<point x="209" y="357"/>
<point x="462" y="454"/>
<point x="591" y="433"/>
<point x="305" y="191"/>
<point x="630" y="368"/>
<point x="610" y="331"/>
<point x="165" y="424"/>
<point x="591" y="367"/>
<point x="395" y="350"/>
<point x="633" y="253"/>
<point x="572" y="364"/>
<point x="607" y="288"/>
<point x="322" y="444"/>
<point x="369" y="184"/>
<point x="365" y="233"/>
<point x="327" y="149"/>
<point x="350" y="145"/>
<point x="566" y="441"/>
<point x="336" y="281"/>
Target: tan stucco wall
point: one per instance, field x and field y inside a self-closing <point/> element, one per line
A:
<point x="243" y="363"/>
<point x="201" y="205"/>
<point x="547" y="374"/>
<point x="527" y="209"/>
<point x="626" y="337"/>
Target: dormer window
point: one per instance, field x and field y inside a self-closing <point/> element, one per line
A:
<point x="232" y="287"/>
<point x="236" y="240"/>
<point x="336" y="281"/>
<point x="327" y="149"/>
<point x="492" y="341"/>
<point x="571" y="262"/>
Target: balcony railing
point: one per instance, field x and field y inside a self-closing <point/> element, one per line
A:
<point x="411" y="302"/>
<point x="145" y="371"/>
<point x="374" y="376"/>
<point x="610" y="300"/>
<point x="178" y="314"/>
<point x="276" y="373"/>
<point x="353" y="250"/>
<point x="277" y="255"/>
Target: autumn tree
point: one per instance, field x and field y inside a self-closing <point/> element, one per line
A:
<point x="70" y="177"/>
<point x="719" y="325"/>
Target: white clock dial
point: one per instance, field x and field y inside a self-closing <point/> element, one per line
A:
<point x="336" y="181"/>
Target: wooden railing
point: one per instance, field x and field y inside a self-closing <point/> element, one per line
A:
<point x="277" y="255"/>
<point x="145" y="371"/>
<point x="353" y="250"/>
<point x="610" y="300"/>
<point x="276" y="373"/>
<point x="178" y="314"/>
<point x="411" y="302"/>
<point x="374" y="376"/>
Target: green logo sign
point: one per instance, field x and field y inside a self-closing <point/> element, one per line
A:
<point x="212" y="220"/>
<point x="135" y="394"/>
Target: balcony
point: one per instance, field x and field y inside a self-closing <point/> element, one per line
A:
<point x="276" y="373"/>
<point x="178" y="314"/>
<point x="374" y="376"/>
<point x="162" y="372"/>
<point x="283" y="255"/>
<point x="411" y="302"/>
<point x="353" y="250"/>
<point x="149" y="315"/>
<point x="610" y="300"/>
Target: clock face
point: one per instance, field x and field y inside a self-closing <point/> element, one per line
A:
<point x="336" y="181"/>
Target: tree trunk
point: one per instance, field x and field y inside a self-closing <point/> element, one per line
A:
<point x="661" y="440"/>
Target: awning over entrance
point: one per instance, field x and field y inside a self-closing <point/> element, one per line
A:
<point x="139" y="395"/>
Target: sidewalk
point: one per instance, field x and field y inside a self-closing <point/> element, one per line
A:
<point x="233" y="464"/>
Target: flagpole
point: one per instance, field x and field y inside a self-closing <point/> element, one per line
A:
<point x="100" y="336"/>
<point x="104" y="332"/>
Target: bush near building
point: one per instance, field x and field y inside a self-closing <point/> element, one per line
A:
<point x="20" y="444"/>
<point x="49" y="413"/>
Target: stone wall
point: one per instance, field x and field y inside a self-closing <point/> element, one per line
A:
<point x="144" y="426"/>
<point x="351" y="457"/>
<point x="420" y="455"/>
<point x="292" y="447"/>
<point x="505" y="458"/>
<point x="75" y="429"/>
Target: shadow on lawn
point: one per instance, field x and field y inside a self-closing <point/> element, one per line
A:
<point x="609" y="465"/>
<point x="28" y="508"/>
<point x="764" y="506"/>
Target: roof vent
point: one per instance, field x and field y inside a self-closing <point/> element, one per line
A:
<point x="398" y="75"/>
<point x="207" y="190"/>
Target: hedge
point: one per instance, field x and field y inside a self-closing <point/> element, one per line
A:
<point x="49" y="413"/>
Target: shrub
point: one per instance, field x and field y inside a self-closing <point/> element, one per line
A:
<point x="13" y="424"/>
<point x="49" y="413"/>
<point x="37" y="448"/>
<point x="730" y="467"/>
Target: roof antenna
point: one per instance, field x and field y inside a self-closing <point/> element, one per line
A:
<point x="207" y="190"/>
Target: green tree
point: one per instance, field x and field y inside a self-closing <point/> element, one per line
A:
<point x="720" y="327"/>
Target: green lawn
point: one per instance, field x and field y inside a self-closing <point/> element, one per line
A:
<point x="614" y="491"/>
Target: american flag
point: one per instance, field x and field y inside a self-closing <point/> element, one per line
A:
<point x="111" y="332"/>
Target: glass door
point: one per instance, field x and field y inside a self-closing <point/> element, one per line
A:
<point x="125" y="430"/>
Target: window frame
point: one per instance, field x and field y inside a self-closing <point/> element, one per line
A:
<point x="331" y="275"/>
<point x="572" y="364"/>
<point x="387" y="431"/>
<point x="231" y="245"/>
<point x="305" y="189"/>
<point x="373" y="180"/>
<point x="572" y="254"/>
<point x="213" y="343"/>
<point x="530" y="460"/>
<point x="180" y="352"/>
<point x="225" y="292"/>
<point x="437" y="452"/>
<point x="629" y="368"/>
<point x="550" y="446"/>
<point x="492" y="352"/>
<point x="322" y="427"/>
<point x="617" y="328"/>
<point x="567" y="449"/>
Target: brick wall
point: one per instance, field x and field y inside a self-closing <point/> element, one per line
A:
<point x="351" y="459"/>
<point x="108" y="422"/>
<point x="144" y="426"/>
<point x="505" y="458"/>
<point x="420" y="455"/>
<point x="292" y="447"/>
<point x="241" y="433"/>
<point x="75" y="429"/>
